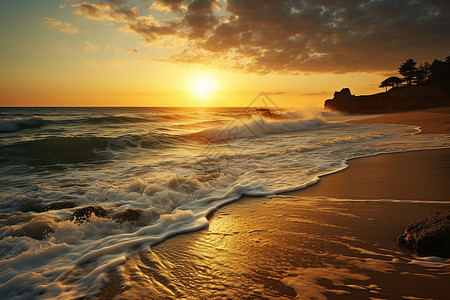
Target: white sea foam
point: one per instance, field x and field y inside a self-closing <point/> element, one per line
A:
<point x="432" y="262"/>
<point x="256" y="127"/>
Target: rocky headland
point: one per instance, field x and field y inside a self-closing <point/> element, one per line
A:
<point x="398" y="99"/>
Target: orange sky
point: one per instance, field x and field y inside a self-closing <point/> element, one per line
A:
<point x="202" y="52"/>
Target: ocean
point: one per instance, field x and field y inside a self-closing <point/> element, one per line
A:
<point x="152" y="173"/>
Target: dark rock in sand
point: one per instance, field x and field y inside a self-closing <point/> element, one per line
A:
<point x="82" y="214"/>
<point x="131" y="215"/>
<point x="429" y="236"/>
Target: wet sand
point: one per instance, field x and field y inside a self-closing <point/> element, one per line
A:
<point x="430" y="121"/>
<point x="334" y="240"/>
<point x="418" y="175"/>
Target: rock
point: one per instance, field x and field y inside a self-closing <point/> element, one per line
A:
<point x="395" y="100"/>
<point x="429" y="236"/>
<point x="85" y="213"/>
<point x="344" y="93"/>
<point x="131" y="215"/>
<point x="60" y="205"/>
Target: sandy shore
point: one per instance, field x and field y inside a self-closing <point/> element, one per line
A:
<point x="430" y="121"/>
<point x="418" y="175"/>
<point x="334" y="240"/>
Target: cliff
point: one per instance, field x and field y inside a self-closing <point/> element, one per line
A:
<point x="395" y="100"/>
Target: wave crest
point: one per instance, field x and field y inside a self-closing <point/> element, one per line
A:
<point x="9" y="125"/>
<point x="117" y="120"/>
<point x="256" y="127"/>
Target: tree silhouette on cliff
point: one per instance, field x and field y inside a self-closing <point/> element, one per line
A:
<point x="408" y="70"/>
<point x="422" y="73"/>
<point x="440" y="71"/>
<point x="426" y="73"/>
<point x="392" y="81"/>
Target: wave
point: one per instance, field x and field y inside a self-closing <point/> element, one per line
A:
<point x="9" y="125"/>
<point x="203" y="123"/>
<point x="77" y="149"/>
<point x="56" y="149"/>
<point x="282" y="114"/>
<point x="117" y="120"/>
<point x="256" y="127"/>
<point x="175" y="117"/>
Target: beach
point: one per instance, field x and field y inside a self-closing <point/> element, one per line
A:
<point x="430" y="121"/>
<point x="333" y="240"/>
<point x="217" y="203"/>
<point x="215" y="149"/>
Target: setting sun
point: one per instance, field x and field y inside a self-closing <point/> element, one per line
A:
<point x="203" y="87"/>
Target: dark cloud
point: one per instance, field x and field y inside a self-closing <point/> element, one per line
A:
<point x="200" y="18"/>
<point x="290" y="36"/>
<point x="152" y="31"/>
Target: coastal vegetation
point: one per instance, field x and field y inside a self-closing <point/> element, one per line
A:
<point x="419" y="87"/>
<point x="436" y="72"/>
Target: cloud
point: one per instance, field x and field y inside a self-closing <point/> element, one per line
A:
<point x="64" y="27"/>
<point x="109" y="11"/>
<point x="168" y="5"/>
<point x="90" y="46"/>
<point x="288" y="36"/>
<point x="117" y="62"/>
<point x="92" y="10"/>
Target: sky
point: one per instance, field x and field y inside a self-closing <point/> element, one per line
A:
<point x="209" y="52"/>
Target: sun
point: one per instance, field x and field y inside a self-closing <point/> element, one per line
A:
<point x="203" y="87"/>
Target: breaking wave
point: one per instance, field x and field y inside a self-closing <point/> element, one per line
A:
<point x="75" y="149"/>
<point x="256" y="127"/>
<point x="10" y="125"/>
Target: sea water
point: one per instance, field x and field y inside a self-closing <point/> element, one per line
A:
<point x="156" y="172"/>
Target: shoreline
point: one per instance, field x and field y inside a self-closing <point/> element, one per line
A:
<point x="433" y="121"/>
<point x="294" y="244"/>
<point x="241" y="251"/>
<point x="339" y="184"/>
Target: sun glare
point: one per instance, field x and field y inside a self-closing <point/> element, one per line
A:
<point x="203" y="87"/>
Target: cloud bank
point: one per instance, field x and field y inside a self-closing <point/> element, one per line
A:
<point x="287" y="36"/>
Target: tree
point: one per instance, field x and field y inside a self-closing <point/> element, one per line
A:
<point x="393" y="81"/>
<point x="408" y="70"/>
<point x="384" y="84"/>
<point x="440" y="71"/>
<point x="422" y="73"/>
